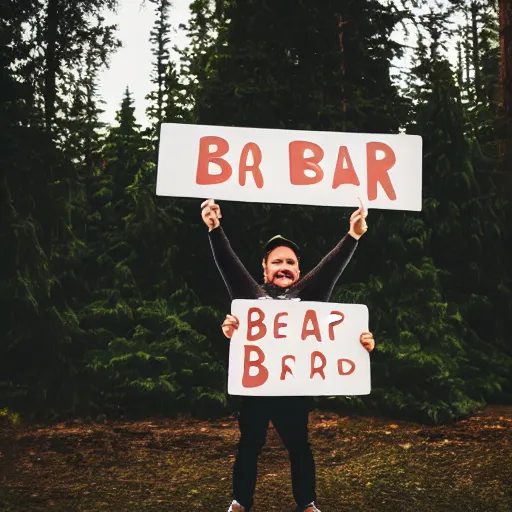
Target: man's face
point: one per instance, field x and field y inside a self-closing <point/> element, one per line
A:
<point x="281" y="268"/>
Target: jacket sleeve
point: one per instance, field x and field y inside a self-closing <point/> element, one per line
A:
<point x="239" y="282"/>
<point x="318" y="284"/>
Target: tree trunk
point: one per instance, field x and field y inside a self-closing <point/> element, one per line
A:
<point x="467" y="58"/>
<point x="460" y="72"/>
<point x="505" y="10"/>
<point x="506" y="54"/>
<point x="476" y="50"/>
<point x="51" y="62"/>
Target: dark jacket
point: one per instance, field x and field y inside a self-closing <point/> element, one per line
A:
<point x="317" y="285"/>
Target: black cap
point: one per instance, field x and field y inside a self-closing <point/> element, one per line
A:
<point x="278" y="241"/>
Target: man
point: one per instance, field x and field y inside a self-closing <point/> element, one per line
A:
<point x="289" y="415"/>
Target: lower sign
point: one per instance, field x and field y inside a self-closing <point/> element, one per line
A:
<point x="288" y="348"/>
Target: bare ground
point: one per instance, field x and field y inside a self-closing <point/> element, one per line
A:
<point x="363" y="464"/>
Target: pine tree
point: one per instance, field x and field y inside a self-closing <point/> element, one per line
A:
<point x="475" y="43"/>
<point x="205" y="21"/>
<point x="60" y="41"/>
<point x="142" y="351"/>
<point x="41" y="185"/>
<point x="465" y="212"/>
<point x="175" y="100"/>
<point x="160" y="40"/>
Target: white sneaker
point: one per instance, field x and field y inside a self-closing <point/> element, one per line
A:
<point x="236" y="507"/>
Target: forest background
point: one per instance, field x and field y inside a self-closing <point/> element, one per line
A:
<point x="110" y="302"/>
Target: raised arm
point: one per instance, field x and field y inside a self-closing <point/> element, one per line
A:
<point x="319" y="283"/>
<point x="239" y="282"/>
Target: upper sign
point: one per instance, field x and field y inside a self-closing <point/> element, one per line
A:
<point x="290" y="166"/>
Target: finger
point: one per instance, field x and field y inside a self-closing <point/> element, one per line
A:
<point x="356" y="212"/>
<point x="364" y="210"/>
<point x="231" y="317"/>
<point x="231" y="322"/>
<point x="208" y="202"/>
<point x="355" y="220"/>
<point x="360" y="222"/>
<point x="215" y="208"/>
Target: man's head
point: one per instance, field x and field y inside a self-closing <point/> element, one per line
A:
<point x="281" y="262"/>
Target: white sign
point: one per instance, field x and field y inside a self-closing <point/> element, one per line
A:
<point x="290" y="166"/>
<point x="288" y="348"/>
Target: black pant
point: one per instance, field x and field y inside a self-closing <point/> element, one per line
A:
<point x="289" y="415"/>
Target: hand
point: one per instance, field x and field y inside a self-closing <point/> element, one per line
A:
<point x="230" y="325"/>
<point x="367" y="341"/>
<point x="358" y="225"/>
<point x="211" y="214"/>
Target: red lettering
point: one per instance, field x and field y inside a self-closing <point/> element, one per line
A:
<point x="203" y="177"/>
<point x="278" y="325"/>
<point x="340" y="366"/>
<point x="333" y="324"/>
<point x="310" y="316"/>
<point x="244" y="167"/>
<point x="258" y="323"/>
<point x="299" y="164"/>
<point x="253" y="381"/>
<point x="378" y="169"/>
<point x="285" y="368"/>
<point x="319" y="369"/>
<point x="344" y="175"/>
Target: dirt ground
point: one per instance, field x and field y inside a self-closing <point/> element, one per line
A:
<point x="363" y="464"/>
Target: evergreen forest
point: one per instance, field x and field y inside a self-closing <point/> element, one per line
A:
<point x="110" y="301"/>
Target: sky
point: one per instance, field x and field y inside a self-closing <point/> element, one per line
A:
<point x="131" y="65"/>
